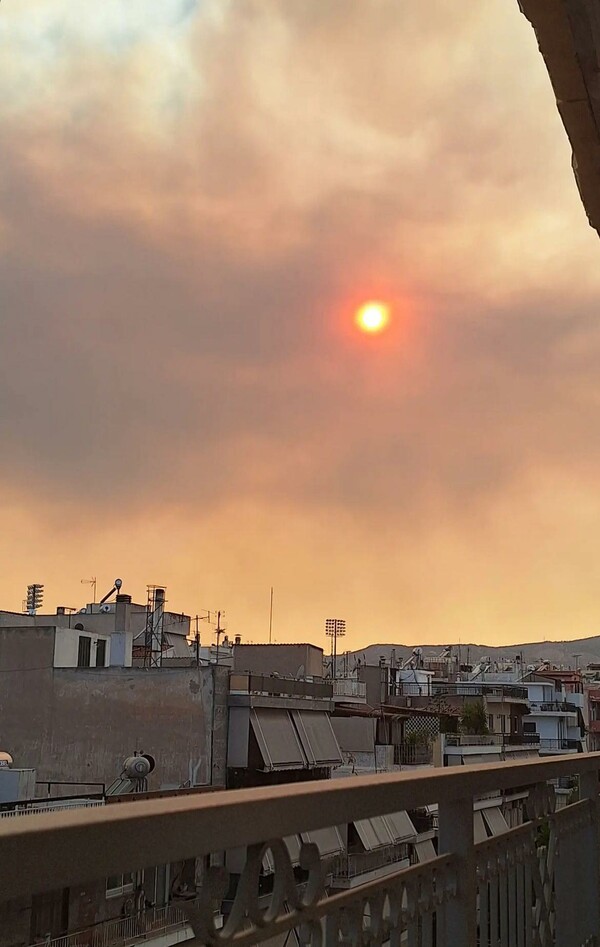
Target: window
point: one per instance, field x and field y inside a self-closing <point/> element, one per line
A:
<point x="529" y="728"/>
<point x="84" y="651"/>
<point x="491" y="723"/>
<point x="101" y="653"/>
<point x="119" y="884"/>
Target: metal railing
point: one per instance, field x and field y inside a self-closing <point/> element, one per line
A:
<point x="353" y="864"/>
<point x="413" y="754"/>
<point x="516" y="887"/>
<point x="479" y="689"/>
<point x="124" y="930"/>
<point x="347" y="687"/>
<point x="487" y="739"/>
<point x="558" y="745"/>
<point x="553" y="707"/>
<point x="279" y="686"/>
<point x="39" y="808"/>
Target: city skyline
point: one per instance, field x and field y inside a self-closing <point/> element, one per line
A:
<point x="196" y="199"/>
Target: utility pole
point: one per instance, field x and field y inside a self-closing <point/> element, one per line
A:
<point x="271" y="617"/>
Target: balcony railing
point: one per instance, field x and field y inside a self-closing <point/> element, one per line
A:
<point x="553" y="707"/>
<point x="556" y="746"/>
<point x="354" y="864"/>
<point x="34" y="807"/>
<point x="279" y="686"/>
<point x="413" y="754"/>
<point x="479" y="689"/>
<point x="351" y="689"/>
<point x="125" y="930"/>
<point x="534" y="884"/>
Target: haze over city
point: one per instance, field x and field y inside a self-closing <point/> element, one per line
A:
<point x="196" y="200"/>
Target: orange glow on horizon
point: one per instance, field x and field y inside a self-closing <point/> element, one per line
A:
<point x="372" y="317"/>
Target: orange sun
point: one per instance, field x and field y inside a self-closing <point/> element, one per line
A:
<point x="372" y="317"/>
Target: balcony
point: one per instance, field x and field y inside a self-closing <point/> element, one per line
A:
<point x="507" y="692"/>
<point x="553" y="707"/>
<point x="349" y="868"/>
<point x="487" y="739"/>
<point x="159" y="925"/>
<point x="559" y="746"/>
<point x="413" y="754"/>
<point x="536" y="883"/>
<point x="272" y="686"/>
<point x="347" y="690"/>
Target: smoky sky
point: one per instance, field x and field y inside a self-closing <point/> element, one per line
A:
<point x="193" y="199"/>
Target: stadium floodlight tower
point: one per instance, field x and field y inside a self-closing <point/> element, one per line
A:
<point x="35" y="597"/>
<point x="334" y="628"/>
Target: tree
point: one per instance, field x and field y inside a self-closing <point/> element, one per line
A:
<point x="473" y="719"/>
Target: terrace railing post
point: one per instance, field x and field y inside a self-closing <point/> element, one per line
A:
<point x="589" y="789"/>
<point x="456" y="837"/>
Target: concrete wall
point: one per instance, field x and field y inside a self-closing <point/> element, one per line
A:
<point x="79" y="724"/>
<point x="288" y="660"/>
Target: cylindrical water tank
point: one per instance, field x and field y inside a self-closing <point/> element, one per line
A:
<point x="5" y="759"/>
<point x="137" y="767"/>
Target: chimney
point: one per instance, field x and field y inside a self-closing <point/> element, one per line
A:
<point x="121" y="641"/>
<point x="60" y="609"/>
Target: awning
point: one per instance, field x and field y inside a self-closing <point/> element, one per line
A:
<point x="374" y="832"/>
<point x="479" y="829"/>
<point x="317" y="737"/>
<point x="355" y="734"/>
<point x="425" y="850"/>
<point x="277" y="739"/>
<point x="400" y="826"/>
<point x="328" y="841"/>
<point x="496" y="822"/>
<point x="292" y="843"/>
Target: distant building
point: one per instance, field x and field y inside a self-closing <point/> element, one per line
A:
<point x="287" y="660"/>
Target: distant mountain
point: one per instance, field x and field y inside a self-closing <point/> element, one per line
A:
<point x="560" y="653"/>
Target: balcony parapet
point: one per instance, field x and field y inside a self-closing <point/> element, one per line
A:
<point x="347" y="689"/>
<point x="275" y="686"/>
<point x="494" y="691"/>
<point x="455" y="893"/>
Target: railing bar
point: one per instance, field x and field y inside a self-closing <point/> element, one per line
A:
<point x="427" y="929"/>
<point x="513" y="923"/>
<point x="494" y="928"/>
<point x="503" y="893"/>
<point x="528" y="899"/>
<point x="520" y="907"/>
<point x="412" y="930"/>
<point x="484" y="913"/>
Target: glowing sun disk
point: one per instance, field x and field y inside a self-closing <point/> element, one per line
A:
<point x="372" y="317"/>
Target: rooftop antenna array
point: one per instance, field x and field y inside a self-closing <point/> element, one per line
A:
<point x="93" y="583"/>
